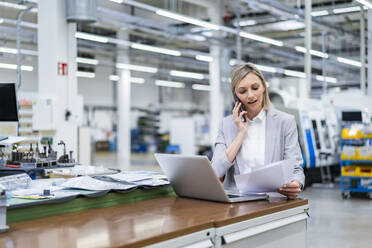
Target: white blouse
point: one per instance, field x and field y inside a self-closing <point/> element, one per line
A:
<point x="252" y="150"/>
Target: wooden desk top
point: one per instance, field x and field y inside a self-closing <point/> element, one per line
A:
<point x="135" y="224"/>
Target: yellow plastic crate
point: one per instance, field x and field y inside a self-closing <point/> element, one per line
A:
<point x="364" y="171"/>
<point x="365" y="153"/>
<point x="355" y="156"/>
<point x="351" y="171"/>
<point x="346" y="134"/>
<point x="368" y="136"/>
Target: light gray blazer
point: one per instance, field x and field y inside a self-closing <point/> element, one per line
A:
<point x="281" y="143"/>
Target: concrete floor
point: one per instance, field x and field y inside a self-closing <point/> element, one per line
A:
<point x="334" y="222"/>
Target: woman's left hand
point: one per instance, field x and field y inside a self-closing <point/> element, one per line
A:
<point x="291" y="190"/>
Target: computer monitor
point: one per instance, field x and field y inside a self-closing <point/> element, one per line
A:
<point x="352" y="116"/>
<point x="8" y="102"/>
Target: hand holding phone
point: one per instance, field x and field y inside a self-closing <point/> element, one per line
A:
<point x="241" y="107"/>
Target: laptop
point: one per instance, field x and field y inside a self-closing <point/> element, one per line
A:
<point x="193" y="176"/>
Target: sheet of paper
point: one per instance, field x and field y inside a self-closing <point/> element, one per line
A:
<point x="136" y="176"/>
<point x="88" y="183"/>
<point x="123" y="177"/>
<point x="266" y="179"/>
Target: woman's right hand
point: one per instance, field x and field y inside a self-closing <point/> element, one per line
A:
<point x="238" y="119"/>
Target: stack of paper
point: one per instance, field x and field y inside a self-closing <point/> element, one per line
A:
<point x="266" y="179"/>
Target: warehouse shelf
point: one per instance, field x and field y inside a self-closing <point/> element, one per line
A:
<point x="355" y="163"/>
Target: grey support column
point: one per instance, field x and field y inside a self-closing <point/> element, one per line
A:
<point x="57" y="73"/>
<point x="369" y="90"/>
<point x="362" y="51"/>
<point x="216" y="104"/>
<point x="308" y="46"/>
<point x="123" y="100"/>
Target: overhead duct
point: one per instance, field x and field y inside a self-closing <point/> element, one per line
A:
<point x="81" y="11"/>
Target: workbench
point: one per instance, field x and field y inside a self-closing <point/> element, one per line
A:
<point x="169" y="222"/>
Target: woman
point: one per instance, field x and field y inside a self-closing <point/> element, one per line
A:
<point x="267" y="135"/>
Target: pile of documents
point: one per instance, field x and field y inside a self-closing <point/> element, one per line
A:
<point x="62" y="187"/>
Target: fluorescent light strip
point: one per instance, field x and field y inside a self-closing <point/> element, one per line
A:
<point x="117" y="1"/>
<point x="132" y="80"/>
<point x="204" y="58"/>
<point x="1" y="21"/>
<point x="365" y="3"/>
<point x="137" y="68"/>
<point x="261" y="38"/>
<point x="312" y="52"/>
<point x="155" y="49"/>
<point x="346" y="10"/>
<point x="327" y="79"/>
<point x="87" y="61"/>
<point x="14" y="67"/>
<point x="233" y="62"/>
<point x="320" y="13"/>
<point x="114" y="78"/>
<point x="187" y="19"/>
<point x="136" y="80"/>
<point x="294" y="73"/>
<point x="8" y="50"/>
<point x="13" y="5"/>
<point x="349" y="62"/>
<point x="201" y="87"/>
<point x="267" y="68"/>
<point x="91" y="37"/>
<point x="169" y="84"/>
<point x="85" y="74"/>
<point x="247" y="23"/>
<point x="186" y="74"/>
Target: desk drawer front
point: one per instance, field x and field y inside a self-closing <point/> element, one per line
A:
<point x="286" y="232"/>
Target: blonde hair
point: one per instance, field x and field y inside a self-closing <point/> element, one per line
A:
<point x="240" y="72"/>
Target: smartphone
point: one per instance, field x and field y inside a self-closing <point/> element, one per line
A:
<point x="241" y="106"/>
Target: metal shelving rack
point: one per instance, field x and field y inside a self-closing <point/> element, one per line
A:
<point x="352" y="181"/>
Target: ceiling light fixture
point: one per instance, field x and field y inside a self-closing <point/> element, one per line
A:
<point x="117" y="1"/>
<point x="320" y="13"/>
<point x="186" y="74"/>
<point x="13" y="5"/>
<point x="169" y="84"/>
<point x="1" y="21"/>
<point x="187" y="19"/>
<point x="14" y="67"/>
<point x="267" y="68"/>
<point x="312" y="52"/>
<point x="137" y="68"/>
<point x="204" y="58"/>
<point x="136" y="80"/>
<point x="114" y="78"/>
<point x="327" y="79"/>
<point x="295" y="73"/>
<point x="260" y="38"/>
<point x="349" y="62"/>
<point x="85" y="74"/>
<point x="201" y="87"/>
<point x="132" y="79"/>
<point x="155" y="49"/>
<point x="8" y="50"/>
<point x="346" y="10"/>
<point x="247" y="23"/>
<point x="87" y="61"/>
<point x="91" y="37"/>
<point x="365" y="3"/>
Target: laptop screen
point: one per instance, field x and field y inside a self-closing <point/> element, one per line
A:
<point x="8" y="102"/>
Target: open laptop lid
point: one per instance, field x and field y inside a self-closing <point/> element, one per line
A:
<point x="192" y="176"/>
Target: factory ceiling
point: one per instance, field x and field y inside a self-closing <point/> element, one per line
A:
<point x="336" y="29"/>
